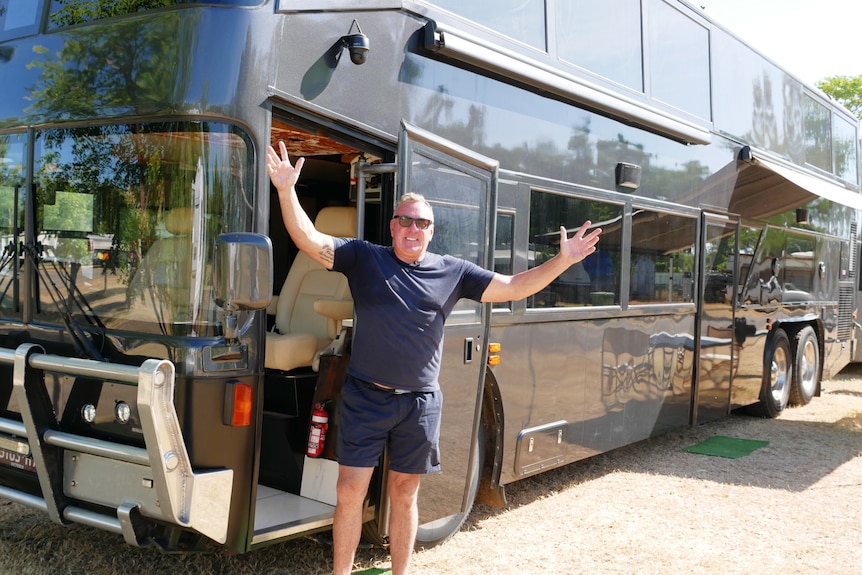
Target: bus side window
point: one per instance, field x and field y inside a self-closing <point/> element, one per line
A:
<point x="662" y="268"/>
<point x="592" y="282"/>
<point x="504" y="252"/>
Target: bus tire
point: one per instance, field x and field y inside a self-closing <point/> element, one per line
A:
<point x="806" y="367"/>
<point x="777" y="372"/>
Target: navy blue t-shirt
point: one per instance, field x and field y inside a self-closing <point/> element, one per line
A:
<point x="400" y="310"/>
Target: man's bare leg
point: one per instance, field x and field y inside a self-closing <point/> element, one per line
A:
<point x="351" y="489"/>
<point x="403" y="519"/>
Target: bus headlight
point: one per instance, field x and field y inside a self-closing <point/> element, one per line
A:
<point x="122" y="412"/>
<point x="88" y="413"/>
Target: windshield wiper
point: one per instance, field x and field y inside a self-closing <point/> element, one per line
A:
<point x="80" y="338"/>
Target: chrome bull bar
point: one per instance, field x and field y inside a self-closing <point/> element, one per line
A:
<point x="156" y="481"/>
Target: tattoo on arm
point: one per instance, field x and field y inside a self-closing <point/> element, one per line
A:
<point x="327" y="254"/>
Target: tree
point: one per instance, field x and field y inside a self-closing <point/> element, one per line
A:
<point x="845" y="89"/>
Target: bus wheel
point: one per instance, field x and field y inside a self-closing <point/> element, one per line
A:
<point x="775" y="391"/>
<point x="806" y="367"/>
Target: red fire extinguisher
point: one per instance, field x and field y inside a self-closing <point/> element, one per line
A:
<point x="317" y="434"/>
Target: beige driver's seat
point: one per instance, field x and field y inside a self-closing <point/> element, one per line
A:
<point x="163" y="281"/>
<point x="313" y="302"/>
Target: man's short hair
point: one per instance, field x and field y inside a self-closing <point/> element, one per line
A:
<point x="411" y="197"/>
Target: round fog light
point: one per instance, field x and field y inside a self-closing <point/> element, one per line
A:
<point x="122" y="412"/>
<point x="88" y="413"/>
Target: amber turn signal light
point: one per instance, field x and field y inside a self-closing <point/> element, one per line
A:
<point x="238" y="404"/>
<point x="493" y="351"/>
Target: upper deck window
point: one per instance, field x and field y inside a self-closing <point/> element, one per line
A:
<point x="818" y="135"/>
<point x="19" y="18"/>
<point x="603" y="37"/>
<point x="844" y="149"/>
<point x="648" y="46"/>
<point x="523" y="20"/>
<point x="679" y="60"/>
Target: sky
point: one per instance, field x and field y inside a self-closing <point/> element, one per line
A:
<point x="812" y="39"/>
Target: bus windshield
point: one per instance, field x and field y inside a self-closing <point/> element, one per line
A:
<point x="126" y="217"/>
<point x="71" y="12"/>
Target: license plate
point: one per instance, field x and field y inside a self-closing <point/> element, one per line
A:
<point x="17" y="461"/>
<point x="15" y="453"/>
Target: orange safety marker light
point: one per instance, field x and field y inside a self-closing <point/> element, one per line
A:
<point x="493" y="350"/>
<point x="238" y="404"/>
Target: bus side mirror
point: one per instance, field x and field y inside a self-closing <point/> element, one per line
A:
<point x="242" y="280"/>
<point x="242" y="271"/>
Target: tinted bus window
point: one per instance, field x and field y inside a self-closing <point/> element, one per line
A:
<point x="523" y="20"/>
<point x="127" y="216"/>
<point x="70" y="12"/>
<point x="818" y="135"/>
<point x="844" y="150"/>
<point x="765" y="277"/>
<point x="662" y="260"/>
<point x="12" y="180"/>
<point x="594" y="281"/>
<point x="19" y="18"/>
<point x="748" y="240"/>
<point x="679" y="62"/>
<point x="799" y="267"/>
<point x="603" y="37"/>
<point x="757" y="101"/>
<point x="504" y="251"/>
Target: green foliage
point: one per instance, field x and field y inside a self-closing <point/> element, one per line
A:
<point x="125" y="68"/>
<point x="72" y="12"/>
<point x="845" y="89"/>
<point x="69" y="212"/>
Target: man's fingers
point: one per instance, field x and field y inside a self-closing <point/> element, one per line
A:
<point x="594" y="235"/>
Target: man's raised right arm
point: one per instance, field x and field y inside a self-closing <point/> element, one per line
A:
<point x="319" y="247"/>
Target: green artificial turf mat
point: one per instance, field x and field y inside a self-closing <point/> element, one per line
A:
<point x="721" y="446"/>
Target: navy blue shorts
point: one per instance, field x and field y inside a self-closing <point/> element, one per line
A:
<point x="371" y="416"/>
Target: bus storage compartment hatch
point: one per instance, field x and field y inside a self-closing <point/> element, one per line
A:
<point x="540" y="447"/>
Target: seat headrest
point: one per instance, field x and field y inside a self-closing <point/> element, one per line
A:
<point x="178" y="221"/>
<point x="338" y="221"/>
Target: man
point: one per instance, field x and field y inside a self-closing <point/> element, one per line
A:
<point x="402" y="296"/>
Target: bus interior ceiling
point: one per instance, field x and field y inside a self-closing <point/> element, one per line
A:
<point x="325" y="181"/>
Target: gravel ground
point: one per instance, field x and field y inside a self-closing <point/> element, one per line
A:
<point x="794" y="507"/>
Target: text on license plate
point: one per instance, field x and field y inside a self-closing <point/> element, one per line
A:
<point x="17" y="460"/>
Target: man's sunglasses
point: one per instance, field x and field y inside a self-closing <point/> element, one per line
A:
<point x="407" y="221"/>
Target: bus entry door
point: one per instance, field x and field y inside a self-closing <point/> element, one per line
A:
<point x="461" y="187"/>
<point x="717" y="357"/>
